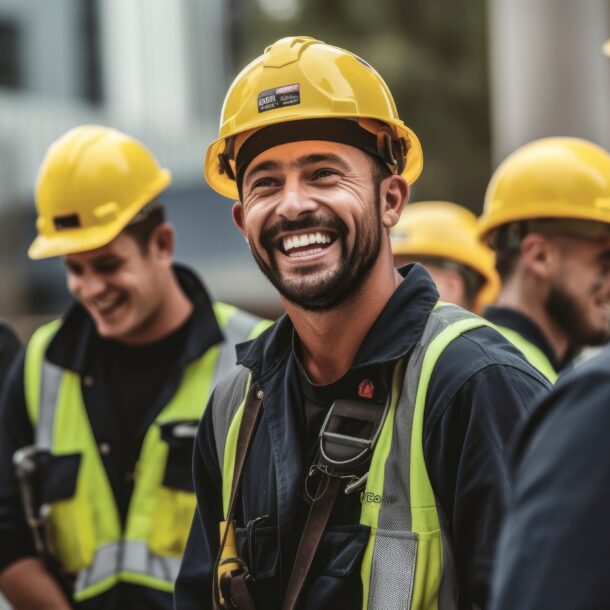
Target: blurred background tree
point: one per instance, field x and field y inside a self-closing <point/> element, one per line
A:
<point x="433" y="57"/>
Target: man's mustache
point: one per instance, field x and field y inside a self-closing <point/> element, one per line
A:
<point x="304" y="223"/>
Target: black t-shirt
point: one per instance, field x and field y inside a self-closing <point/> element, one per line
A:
<point x="142" y="372"/>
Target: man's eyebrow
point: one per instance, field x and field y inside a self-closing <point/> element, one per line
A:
<point x="320" y="158"/>
<point x="263" y="166"/>
<point x="300" y="163"/>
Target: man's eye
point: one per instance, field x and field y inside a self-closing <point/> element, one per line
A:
<point x="107" y="267"/>
<point x="74" y="269"/>
<point x="324" y="173"/>
<point x="264" y="182"/>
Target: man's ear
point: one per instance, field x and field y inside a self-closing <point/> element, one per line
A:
<point x="238" y="217"/>
<point x="394" y="196"/>
<point x="538" y="254"/>
<point x="162" y="243"/>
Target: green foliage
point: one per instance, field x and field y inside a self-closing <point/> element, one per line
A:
<point x="432" y="54"/>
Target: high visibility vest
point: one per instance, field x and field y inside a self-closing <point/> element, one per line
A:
<point x="408" y="561"/>
<point x="85" y="531"/>
<point x="533" y="354"/>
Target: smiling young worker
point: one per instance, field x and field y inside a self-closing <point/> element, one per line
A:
<point x="547" y="216"/>
<point x="109" y="397"/>
<point x="311" y="144"/>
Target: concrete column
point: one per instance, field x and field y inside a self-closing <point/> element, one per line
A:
<point x="548" y="74"/>
<point x="144" y="58"/>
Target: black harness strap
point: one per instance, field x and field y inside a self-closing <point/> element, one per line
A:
<point x="317" y="519"/>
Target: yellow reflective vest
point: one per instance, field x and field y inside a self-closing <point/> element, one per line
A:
<point x="85" y="532"/>
<point x="408" y="561"/>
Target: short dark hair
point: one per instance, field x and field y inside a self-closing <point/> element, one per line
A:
<point x="380" y="171"/>
<point x="144" y="223"/>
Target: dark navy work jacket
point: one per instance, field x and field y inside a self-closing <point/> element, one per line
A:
<point x="555" y="548"/>
<point x="479" y="391"/>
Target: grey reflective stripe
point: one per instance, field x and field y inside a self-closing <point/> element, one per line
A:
<point x="126" y="557"/>
<point x="237" y="330"/>
<point x="50" y="380"/>
<point x="106" y="563"/>
<point x="139" y="559"/>
<point x="228" y="395"/>
<point x="395" y="550"/>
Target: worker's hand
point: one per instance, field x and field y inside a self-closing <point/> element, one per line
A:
<point x="28" y="586"/>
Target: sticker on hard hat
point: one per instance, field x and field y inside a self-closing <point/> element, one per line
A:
<point x="287" y="95"/>
<point x="71" y="221"/>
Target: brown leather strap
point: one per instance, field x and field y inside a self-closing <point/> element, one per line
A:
<point x="252" y="409"/>
<point x="317" y="519"/>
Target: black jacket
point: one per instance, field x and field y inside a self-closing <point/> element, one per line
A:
<point x="555" y="547"/>
<point x="480" y="389"/>
<point x="9" y="347"/>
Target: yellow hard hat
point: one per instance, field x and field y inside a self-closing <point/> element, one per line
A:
<point x="93" y="180"/>
<point x="446" y="230"/>
<point x="300" y="78"/>
<point x="549" y="178"/>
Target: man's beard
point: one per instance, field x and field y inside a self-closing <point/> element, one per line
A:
<point x="567" y="313"/>
<point x="325" y="290"/>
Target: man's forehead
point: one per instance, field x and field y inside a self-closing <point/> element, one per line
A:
<point x="307" y="152"/>
<point x="112" y="249"/>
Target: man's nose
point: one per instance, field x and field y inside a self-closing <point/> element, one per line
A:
<point x="295" y="200"/>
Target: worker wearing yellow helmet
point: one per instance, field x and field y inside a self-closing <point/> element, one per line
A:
<point x="562" y="452"/>
<point x="98" y="417"/>
<point x="443" y="237"/>
<point x="320" y="464"/>
<point x="547" y="216"/>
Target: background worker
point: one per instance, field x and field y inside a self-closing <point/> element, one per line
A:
<point x="443" y="236"/>
<point x="9" y="347"/>
<point x="318" y="195"/>
<point x="555" y="546"/>
<point x="547" y="216"/>
<point x="110" y="396"/>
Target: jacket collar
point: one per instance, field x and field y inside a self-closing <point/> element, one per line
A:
<point x="526" y="327"/>
<point x="392" y="335"/>
<point x="75" y="342"/>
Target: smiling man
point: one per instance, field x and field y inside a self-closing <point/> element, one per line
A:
<point x="357" y="459"/>
<point x="547" y="216"/>
<point x="100" y="414"/>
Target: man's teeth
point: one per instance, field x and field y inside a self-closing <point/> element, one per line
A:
<point x="105" y="304"/>
<point x="305" y="239"/>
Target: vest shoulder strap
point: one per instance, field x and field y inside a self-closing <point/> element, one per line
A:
<point x="446" y="323"/>
<point x="227" y="407"/>
<point x="33" y="367"/>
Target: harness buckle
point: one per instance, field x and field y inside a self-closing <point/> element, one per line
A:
<point x="346" y="442"/>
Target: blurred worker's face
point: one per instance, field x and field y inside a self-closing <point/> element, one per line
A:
<point x="120" y="286"/>
<point x="449" y="282"/>
<point x="311" y="215"/>
<point x="578" y="299"/>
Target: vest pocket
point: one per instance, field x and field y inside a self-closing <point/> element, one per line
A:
<point x="71" y="536"/>
<point x="175" y="503"/>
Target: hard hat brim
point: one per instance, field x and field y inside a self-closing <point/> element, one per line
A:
<point x="78" y="239"/>
<point x="227" y="187"/>
<point x="600" y="212"/>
